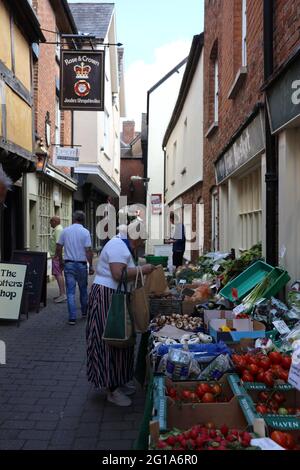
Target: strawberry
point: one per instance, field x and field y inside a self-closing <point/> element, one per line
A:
<point x="224" y="430"/>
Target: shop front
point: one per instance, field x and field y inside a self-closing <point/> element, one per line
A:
<point x="283" y="97"/>
<point x="240" y="174"/>
<point x="48" y="194"/>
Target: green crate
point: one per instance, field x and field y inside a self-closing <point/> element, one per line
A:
<point x="245" y="282"/>
<point x="157" y="260"/>
<point x="279" y="278"/>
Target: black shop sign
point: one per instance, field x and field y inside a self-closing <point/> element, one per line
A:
<point x="82" y="80"/>
<point x="283" y="98"/>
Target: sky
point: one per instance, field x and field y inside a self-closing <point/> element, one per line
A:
<point x="156" y="35"/>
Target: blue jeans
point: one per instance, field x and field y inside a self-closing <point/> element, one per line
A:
<point x="76" y="273"/>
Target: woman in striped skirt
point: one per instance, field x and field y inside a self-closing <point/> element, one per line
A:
<point x="110" y="368"/>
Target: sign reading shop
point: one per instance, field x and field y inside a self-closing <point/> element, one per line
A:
<point x="82" y="80"/>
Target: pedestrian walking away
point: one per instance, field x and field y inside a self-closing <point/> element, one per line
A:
<point x="177" y="240"/>
<point x="77" y="245"/>
<point x="111" y="368"/>
<point x="57" y="269"/>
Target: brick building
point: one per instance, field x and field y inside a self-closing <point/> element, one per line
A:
<point x="50" y="191"/>
<point x="249" y="46"/>
<point x="233" y="124"/>
<point x="132" y="164"/>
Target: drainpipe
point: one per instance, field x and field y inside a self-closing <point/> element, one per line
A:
<point x="271" y="146"/>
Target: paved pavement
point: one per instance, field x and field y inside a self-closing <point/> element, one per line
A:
<point x="45" y="399"/>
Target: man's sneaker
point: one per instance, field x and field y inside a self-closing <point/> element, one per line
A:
<point x="61" y="298"/>
<point x="72" y="322"/>
<point x="118" y="398"/>
<point x="128" y="389"/>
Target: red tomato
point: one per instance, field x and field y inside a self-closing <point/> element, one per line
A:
<point x="247" y="377"/>
<point x="286" y="362"/>
<point x="279" y="397"/>
<point x="202" y="389"/>
<point x="260" y="377"/>
<point x="172" y="392"/>
<point x="289" y="441"/>
<point x="208" y="398"/>
<point x="263" y="396"/>
<point x="194" y="397"/>
<point x="268" y="379"/>
<point x="265" y="363"/>
<point x="279" y="437"/>
<point x="274" y="405"/>
<point x="283" y="375"/>
<point x="262" y="409"/>
<point x="186" y="395"/>
<point x="216" y="389"/>
<point x="275" y="357"/>
<point x="253" y="369"/>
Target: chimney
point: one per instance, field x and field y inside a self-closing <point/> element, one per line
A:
<point x="128" y="133"/>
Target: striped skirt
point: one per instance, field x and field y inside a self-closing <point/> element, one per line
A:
<point x="107" y="367"/>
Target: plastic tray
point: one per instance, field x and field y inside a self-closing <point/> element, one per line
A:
<point x="157" y="260"/>
<point x="246" y="281"/>
<point x="279" y="278"/>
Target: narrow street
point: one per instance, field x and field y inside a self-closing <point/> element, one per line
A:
<point x="46" y="401"/>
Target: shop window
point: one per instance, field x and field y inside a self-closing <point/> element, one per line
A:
<point x="250" y="212"/>
<point x="66" y="208"/>
<point x="215" y="220"/>
<point x="45" y="213"/>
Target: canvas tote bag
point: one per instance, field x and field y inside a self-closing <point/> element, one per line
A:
<point x="119" y="329"/>
<point x="140" y="303"/>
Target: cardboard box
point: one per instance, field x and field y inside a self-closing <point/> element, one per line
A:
<point x="243" y="329"/>
<point x="216" y="314"/>
<point x="188" y="307"/>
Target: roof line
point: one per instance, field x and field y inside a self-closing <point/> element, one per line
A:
<point x="192" y="64"/>
<point x="69" y="15"/>
<point x="168" y="75"/>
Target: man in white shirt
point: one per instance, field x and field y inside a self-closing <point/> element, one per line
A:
<point x="76" y="241"/>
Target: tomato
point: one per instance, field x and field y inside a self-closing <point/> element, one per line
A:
<point x="260" y="377"/>
<point x="186" y="395"/>
<point x="279" y="397"/>
<point x="263" y="396"/>
<point x="262" y="409"/>
<point x="208" y="398"/>
<point x="216" y="389"/>
<point x="277" y="370"/>
<point x="275" y="357"/>
<point x="265" y="363"/>
<point x="194" y="397"/>
<point x="289" y="441"/>
<point x="247" y="377"/>
<point x="254" y="360"/>
<point x="268" y="379"/>
<point x="274" y="405"/>
<point x="284" y="375"/>
<point x="253" y="369"/>
<point x="236" y="358"/>
<point x="279" y="437"/>
<point x="202" y="389"/>
<point x="172" y="392"/>
<point x="286" y="362"/>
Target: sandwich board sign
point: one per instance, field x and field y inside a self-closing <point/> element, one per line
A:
<point x="12" y="282"/>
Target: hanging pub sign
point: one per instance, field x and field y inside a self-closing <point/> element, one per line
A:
<point x="82" y="80"/>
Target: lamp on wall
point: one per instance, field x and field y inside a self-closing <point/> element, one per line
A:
<point x="41" y="156"/>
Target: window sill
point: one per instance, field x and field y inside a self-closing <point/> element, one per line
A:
<point x="212" y="129"/>
<point x="238" y="83"/>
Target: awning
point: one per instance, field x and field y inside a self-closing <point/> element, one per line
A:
<point x="60" y="177"/>
<point x="97" y="176"/>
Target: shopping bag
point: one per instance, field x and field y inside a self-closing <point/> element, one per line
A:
<point x="119" y="329"/>
<point x="140" y="303"/>
<point x="156" y="282"/>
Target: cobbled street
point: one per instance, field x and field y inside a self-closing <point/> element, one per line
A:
<point x="45" y="399"/>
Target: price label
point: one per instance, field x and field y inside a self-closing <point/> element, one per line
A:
<point x="281" y="327"/>
<point x="294" y="374"/>
<point x="182" y="282"/>
<point x="216" y="268"/>
<point x="239" y="309"/>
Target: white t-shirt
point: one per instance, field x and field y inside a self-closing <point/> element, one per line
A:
<point x="75" y="239"/>
<point x="115" y="251"/>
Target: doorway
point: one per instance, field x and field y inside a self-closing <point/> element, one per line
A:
<point x="33" y="224"/>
